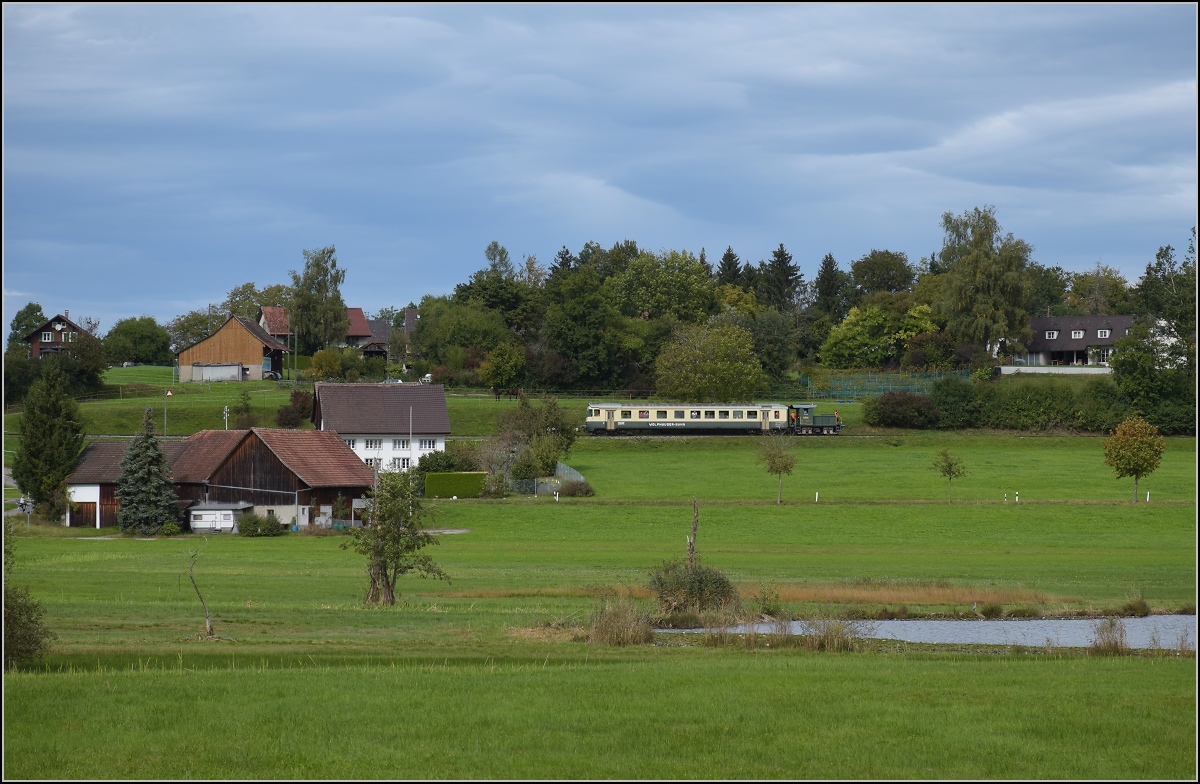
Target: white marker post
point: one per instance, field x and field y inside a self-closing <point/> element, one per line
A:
<point x="818" y="497"/>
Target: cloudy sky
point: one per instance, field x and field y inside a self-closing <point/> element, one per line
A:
<point x="157" y="156"/>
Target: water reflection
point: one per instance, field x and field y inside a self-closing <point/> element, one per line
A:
<point x="1155" y="631"/>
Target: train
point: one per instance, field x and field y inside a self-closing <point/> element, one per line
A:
<point x="704" y="419"/>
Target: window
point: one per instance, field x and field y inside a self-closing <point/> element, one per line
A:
<point x="351" y="442"/>
<point x="1076" y="334"/>
<point x="270" y="513"/>
<point x="710" y="414"/>
<point x="70" y="336"/>
<point x="1127" y="332"/>
<point x="752" y="415"/>
<point x="737" y="414"/>
<point x="47" y="337"/>
<point x="680" y="413"/>
<point x="370" y="461"/>
<point x="230" y="516"/>
<point x="399" y="463"/>
<point x="429" y="443"/>
<point x="661" y="415"/>
<point x="1102" y="333"/>
<point x="593" y="412"/>
<point x="404" y="463"/>
<point x="1051" y="334"/>
<point x="626" y="414"/>
<point x="1105" y="353"/>
<point x="374" y="443"/>
<point x="399" y="443"/>
<point x="723" y="415"/>
<point x="643" y="415"/>
<point x="695" y="415"/>
<point x="777" y="415"/>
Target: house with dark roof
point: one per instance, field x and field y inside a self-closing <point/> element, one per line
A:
<point x="240" y="350"/>
<point x="378" y="344"/>
<point x="275" y="473"/>
<point x="389" y="426"/>
<point x="360" y="332"/>
<point x="1073" y="341"/>
<point x="54" y="335"/>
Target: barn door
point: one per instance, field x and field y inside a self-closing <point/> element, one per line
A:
<point x="83" y="515"/>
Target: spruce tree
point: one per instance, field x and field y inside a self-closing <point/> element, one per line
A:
<point x="781" y="280"/>
<point x="730" y="269"/>
<point x="144" y="486"/>
<point x="51" y="440"/>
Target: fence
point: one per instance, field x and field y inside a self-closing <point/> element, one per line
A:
<point x="860" y="385"/>
<point x="545" y="485"/>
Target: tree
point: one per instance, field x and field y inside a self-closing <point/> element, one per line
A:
<point x="392" y="537"/>
<point x="672" y="283"/>
<point x="498" y="260"/>
<point x="139" y="340"/>
<point x="144" y="487"/>
<point x="243" y="414"/>
<point x="318" y="313"/>
<point x="1167" y="291"/>
<point x="246" y="299"/>
<point x="27" y="320"/>
<point x="25" y="634"/>
<point x="194" y="326"/>
<point x="774" y="342"/>
<point x="987" y="287"/>
<point x="1048" y="288"/>
<point x="833" y="289"/>
<point x="882" y="270"/>
<point x="1098" y="292"/>
<point x="1135" y="449"/>
<point x="51" y="442"/>
<point x="709" y="364"/>
<point x="503" y="366"/>
<point x="542" y="435"/>
<point x="874" y="335"/>
<point x="949" y="466"/>
<point x="780" y="280"/>
<point x="773" y="455"/>
<point x="582" y="327"/>
<point x="729" y="270"/>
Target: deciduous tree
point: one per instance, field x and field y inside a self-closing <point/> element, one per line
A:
<point x="1135" y="449"/>
<point x="951" y="467"/>
<point x="144" y="487"/>
<point x="139" y="340"/>
<point x="776" y="459"/>
<point x="50" y="444"/>
<point x="318" y="312"/>
<point x="195" y="325"/>
<point x="709" y="364"/>
<point x="25" y="321"/>
<point x="882" y="270"/>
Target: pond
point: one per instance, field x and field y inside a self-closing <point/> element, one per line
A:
<point x="1161" y="631"/>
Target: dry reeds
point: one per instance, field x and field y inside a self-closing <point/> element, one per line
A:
<point x="1136" y="607"/>
<point x="620" y="622"/>
<point x="832" y="635"/>
<point x="887" y="592"/>
<point x="1110" y="637"/>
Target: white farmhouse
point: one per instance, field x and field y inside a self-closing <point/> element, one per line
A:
<point x="389" y="426"/>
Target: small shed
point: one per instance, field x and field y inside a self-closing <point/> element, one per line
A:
<point x="217" y="516"/>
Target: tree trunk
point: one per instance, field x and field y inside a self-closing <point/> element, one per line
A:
<point x="1135" y="488"/>
<point x="779" y="495"/>
<point x="950" y="491"/>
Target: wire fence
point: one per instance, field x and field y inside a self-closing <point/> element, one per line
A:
<point x="547" y="485"/>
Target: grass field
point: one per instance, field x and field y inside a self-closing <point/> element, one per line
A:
<point x="489" y="676"/>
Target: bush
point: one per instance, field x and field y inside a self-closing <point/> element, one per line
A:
<point x="900" y="409"/>
<point x="992" y="611"/>
<point x="1136" y="607"/>
<point x="620" y="623"/>
<point x="681" y="587"/>
<point x="1110" y="637"/>
<point x="255" y="525"/>
<point x="956" y="402"/>
<point x="448" y="485"/>
<point x="1027" y="405"/>
<point x="573" y="488"/>
<point x="170" y="529"/>
<point x="26" y="638"/>
<point x="832" y="635"/>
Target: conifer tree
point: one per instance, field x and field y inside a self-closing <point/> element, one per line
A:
<point x="780" y="280"/>
<point x="730" y="269"/>
<point x="144" y="486"/>
<point x="51" y="440"/>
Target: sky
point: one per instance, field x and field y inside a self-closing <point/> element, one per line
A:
<point x="157" y="156"/>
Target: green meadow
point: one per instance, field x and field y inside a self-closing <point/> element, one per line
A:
<point x="490" y="675"/>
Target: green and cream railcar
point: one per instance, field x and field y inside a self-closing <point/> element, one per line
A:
<point x="739" y="419"/>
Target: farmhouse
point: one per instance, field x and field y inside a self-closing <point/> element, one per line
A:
<point x="276" y="322"/>
<point x="275" y="473"/>
<point x="1073" y="341"/>
<point x="389" y="426"/>
<point x="240" y="350"/>
<point x="53" y="336"/>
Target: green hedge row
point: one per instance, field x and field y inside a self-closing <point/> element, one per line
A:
<point x="467" y="484"/>
<point x="1096" y="405"/>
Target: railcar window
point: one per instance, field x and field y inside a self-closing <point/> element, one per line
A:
<point x="723" y="415"/>
<point x="661" y="415"/>
<point x="777" y="415"/>
<point x="626" y="414"/>
<point x="680" y="413"/>
<point x="643" y="415"/>
<point x="710" y="414"/>
<point x="695" y="415"/>
<point x="737" y="414"/>
<point x="752" y="415"/>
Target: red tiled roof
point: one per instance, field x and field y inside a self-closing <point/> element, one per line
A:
<point x="320" y="458"/>
<point x="381" y="408"/>
<point x="276" y="318"/>
<point x="257" y="331"/>
<point x="359" y="328"/>
<point x="205" y="453"/>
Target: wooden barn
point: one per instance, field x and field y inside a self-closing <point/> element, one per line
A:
<point x="240" y="350"/>
<point x="275" y="473"/>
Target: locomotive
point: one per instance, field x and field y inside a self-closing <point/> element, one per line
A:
<point x="720" y="419"/>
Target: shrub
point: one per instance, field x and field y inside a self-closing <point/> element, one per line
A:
<point x="833" y="635"/>
<point x="573" y="488"/>
<point x="691" y="587"/>
<point x="900" y="409"/>
<point x="766" y="601"/>
<point x="26" y="637"/>
<point x="1110" y="637"/>
<point x="255" y="525"/>
<point x="620" y="623"/>
<point x="170" y="529"/>
<point x="1027" y="405"/>
<point x="1136" y="607"/>
<point x="956" y="402"/>
<point x="992" y="611"/>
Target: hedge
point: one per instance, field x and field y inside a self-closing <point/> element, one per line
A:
<point x="464" y="484"/>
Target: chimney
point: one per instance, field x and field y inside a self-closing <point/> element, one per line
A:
<point x="66" y="314"/>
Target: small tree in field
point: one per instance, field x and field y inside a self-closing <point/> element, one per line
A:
<point x="144" y="487"/>
<point x="52" y="438"/>
<point x="1135" y="449"/>
<point x="392" y="537"/>
<point x="951" y="467"/>
<point x="773" y="454"/>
